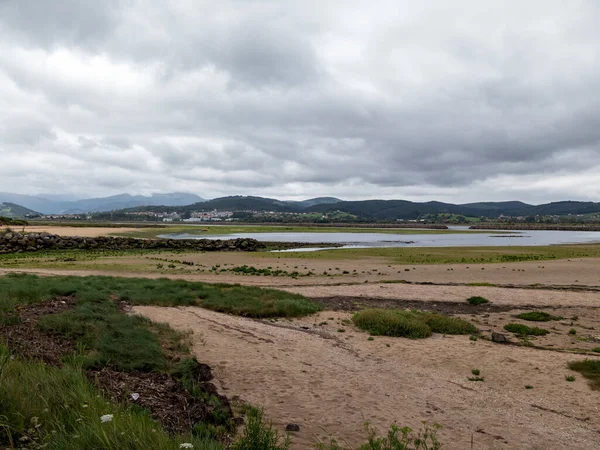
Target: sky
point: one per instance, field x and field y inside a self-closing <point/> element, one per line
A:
<point x="456" y="101"/>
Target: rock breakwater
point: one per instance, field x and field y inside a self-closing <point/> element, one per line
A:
<point x="14" y="242"/>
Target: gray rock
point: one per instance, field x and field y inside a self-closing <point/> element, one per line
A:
<point x="292" y="427"/>
<point x="499" y="338"/>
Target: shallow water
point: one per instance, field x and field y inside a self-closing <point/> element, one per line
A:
<point x="370" y="240"/>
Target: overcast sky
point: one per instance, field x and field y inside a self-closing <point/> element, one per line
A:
<point x="459" y="101"/>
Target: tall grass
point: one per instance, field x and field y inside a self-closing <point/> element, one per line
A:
<point x="57" y="408"/>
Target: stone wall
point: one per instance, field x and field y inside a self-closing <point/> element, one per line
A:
<point x="13" y="242"/>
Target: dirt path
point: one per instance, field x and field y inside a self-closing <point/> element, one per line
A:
<point x="330" y="382"/>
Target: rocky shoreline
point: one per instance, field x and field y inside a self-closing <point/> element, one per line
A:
<point x="14" y="242"/>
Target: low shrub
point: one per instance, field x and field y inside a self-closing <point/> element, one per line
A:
<point x="448" y="325"/>
<point x="476" y="300"/>
<point x="538" y="316"/>
<point x="524" y="330"/>
<point x="411" y="324"/>
<point x="382" y="322"/>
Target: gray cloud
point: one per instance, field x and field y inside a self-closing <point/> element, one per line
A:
<point x="458" y="102"/>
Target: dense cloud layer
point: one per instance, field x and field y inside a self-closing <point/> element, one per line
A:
<point x="455" y="101"/>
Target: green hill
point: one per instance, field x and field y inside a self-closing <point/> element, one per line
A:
<point x="12" y="210"/>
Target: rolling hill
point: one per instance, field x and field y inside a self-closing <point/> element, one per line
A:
<point x="12" y="211"/>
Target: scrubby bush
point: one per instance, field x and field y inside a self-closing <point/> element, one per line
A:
<point x="476" y="300"/>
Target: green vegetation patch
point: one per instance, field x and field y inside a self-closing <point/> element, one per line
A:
<point x="410" y="324"/>
<point x="476" y="300"/>
<point x="524" y="330"/>
<point x="257" y="302"/>
<point x="590" y="369"/>
<point x="111" y="337"/>
<point x="233" y="299"/>
<point x="49" y="407"/>
<point x="538" y="316"/>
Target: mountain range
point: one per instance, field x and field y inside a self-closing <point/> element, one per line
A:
<point x="384" y="209"/>
<point x="22" y="205"/>
<point x="57" y="205"/>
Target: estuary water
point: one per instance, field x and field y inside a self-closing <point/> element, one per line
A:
<point x="369" y="240"/>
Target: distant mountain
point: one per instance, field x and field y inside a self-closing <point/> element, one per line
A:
<point x="56" y="206"/>
<point x="40" y="204"/>
<point x="12" y="210"/>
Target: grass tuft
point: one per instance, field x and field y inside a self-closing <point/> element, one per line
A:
<point x="477" y="300"/>
<point x="590" y="369"/>
<point x="260" y="434"/>
<point x="524" y="330"/>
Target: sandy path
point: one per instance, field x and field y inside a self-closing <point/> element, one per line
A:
<point x="330" y="383"/>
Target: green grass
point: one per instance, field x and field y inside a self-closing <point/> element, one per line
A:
<point x="57" y="407"/>
<point x="451" y="255"/>
<point x="257" y="302"/>
<point x="259" y="434"/>
<point x="110" y="337"/>
<point x="569" y="378"/>
<point x="233" y="299"/>
<point x="538" y="316"/>
<point x="590" y="369"/>
<point x="524" y="330"/>
<point x="476" y="300"/>
<point x="414" y="325"/>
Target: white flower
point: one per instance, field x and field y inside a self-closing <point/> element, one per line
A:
<point x="135" y="396"/>
<point x="186" y="445"/>
<point x="106" y="418"/>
